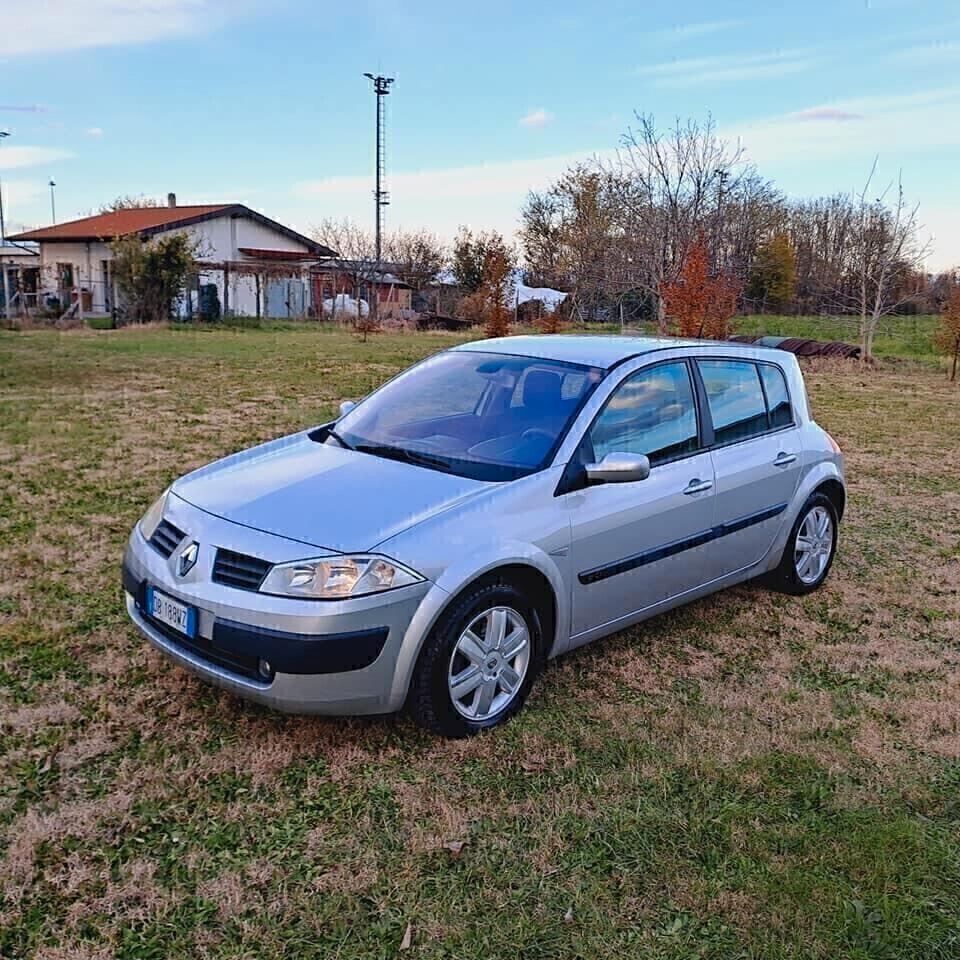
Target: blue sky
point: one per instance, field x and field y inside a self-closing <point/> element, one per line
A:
<point x="265" y="103"/>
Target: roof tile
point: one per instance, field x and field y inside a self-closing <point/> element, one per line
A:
<point x="119" y="223"/>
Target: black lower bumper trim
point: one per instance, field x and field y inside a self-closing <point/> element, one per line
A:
<point x="302" y="652"/>
<point x="130" y="583"/>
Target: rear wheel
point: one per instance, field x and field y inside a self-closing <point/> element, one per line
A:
<point x="810" y="549"/>
<point x="479" y="662"/>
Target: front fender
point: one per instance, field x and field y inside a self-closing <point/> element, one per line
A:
<point x="455" y="579"/>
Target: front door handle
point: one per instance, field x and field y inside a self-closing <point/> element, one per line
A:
<point x="697" y="486"/>
<point x="784" y="459"/>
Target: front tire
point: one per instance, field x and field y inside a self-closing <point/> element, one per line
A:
<point x="478" y="664"/>
<point x="808" y="555"/>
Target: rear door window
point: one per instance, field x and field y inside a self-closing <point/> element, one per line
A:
<point x="735" y="397"/>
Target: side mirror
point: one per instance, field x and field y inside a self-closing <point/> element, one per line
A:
<point x="619" y="468"/>
<point x="346" y="406"/>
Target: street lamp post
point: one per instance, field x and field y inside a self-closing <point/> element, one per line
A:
<point x="53" y="204"/>
<point x="3" y="245"/>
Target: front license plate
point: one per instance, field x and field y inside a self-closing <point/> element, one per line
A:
<point x="172" y="612"/>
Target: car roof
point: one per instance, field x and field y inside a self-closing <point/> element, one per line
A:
<point x="591" y="349"/>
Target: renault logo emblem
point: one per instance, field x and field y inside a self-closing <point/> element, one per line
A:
<point x="188" y="559"/>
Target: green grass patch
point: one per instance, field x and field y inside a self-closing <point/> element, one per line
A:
<point x="910" y="337"/>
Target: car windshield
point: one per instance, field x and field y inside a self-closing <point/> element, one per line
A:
<point x="482" y="415"/>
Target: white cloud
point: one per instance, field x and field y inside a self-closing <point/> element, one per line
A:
<point x="94" y="132"/>
<point x="942" y="223"/>
<point x="482" y="196"/>
<point x="693" y="71"/>
<point x="21" y="192"/>
<point x="536" y="119"/>
<point x="51" y="26"/>
<point x="825" y="114"/>
<point x="886" y="124"/>
<point x="23" y="108"/>
<point x="14" y="156"/>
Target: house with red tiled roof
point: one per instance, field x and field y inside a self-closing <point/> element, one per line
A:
<point x="258" y="267"/>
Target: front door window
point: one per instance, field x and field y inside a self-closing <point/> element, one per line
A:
<point x="652" y="413"/>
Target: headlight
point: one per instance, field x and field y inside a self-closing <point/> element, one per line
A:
<point x="332" y="578"/>
<point x="151" y="519"/>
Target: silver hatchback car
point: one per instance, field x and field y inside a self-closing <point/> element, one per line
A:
<point x="489" y="508"/>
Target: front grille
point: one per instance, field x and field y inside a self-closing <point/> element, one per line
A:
<point x="238" y="570"/>
<point x="166" y="537"/>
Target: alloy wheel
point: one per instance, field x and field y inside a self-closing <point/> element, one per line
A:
<point x="489" y="663"/>
<point x="814" y="545"/>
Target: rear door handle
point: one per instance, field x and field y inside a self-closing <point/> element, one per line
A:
<point x="697" y="486"/>
<point x="784" y="459"/>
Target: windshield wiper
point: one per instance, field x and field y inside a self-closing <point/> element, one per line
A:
<point x="336" y="436"/>
<point x="404" y="455"/>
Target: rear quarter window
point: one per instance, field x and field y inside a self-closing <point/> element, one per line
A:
<point x="778" y="399"/>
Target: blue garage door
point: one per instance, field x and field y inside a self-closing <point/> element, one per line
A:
<point x="286" y="298"/>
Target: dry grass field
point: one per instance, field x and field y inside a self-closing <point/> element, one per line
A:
<point x="751" y="776"/>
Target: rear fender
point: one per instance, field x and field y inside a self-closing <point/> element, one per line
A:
<point x="820" y="473"/>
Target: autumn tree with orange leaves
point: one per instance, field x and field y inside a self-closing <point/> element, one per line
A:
<point x="701" y="304"/>
<point x="947" y="337"/>
<point x="490" y="303"/>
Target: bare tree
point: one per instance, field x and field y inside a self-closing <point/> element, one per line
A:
<point x="674" y="183"/>
<point x="357" y="260"/>
<point x="574" y="240"/>
<point x="415" y="256"/>
<point x="128" y="202"/>
<point x="885" y="256"/>
<point x="543" y="237"/>
<point x="747" y="215"/>
<point x="616" y="232"/>
<point x="820" y="232"/>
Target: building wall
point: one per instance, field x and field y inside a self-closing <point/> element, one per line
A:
<point x="86" y="261"/>
<point x="222" y="237"/>
<point x="219" y="239"/>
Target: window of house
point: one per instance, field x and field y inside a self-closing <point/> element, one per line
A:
<point x="735" y="398"/>
<point x="653" y="413"/>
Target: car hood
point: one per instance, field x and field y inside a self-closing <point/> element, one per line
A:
<point x="326" y="496"/>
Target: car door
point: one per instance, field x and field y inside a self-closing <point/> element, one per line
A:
<point x="634" y="545"/>
<point x="756" y="455"/>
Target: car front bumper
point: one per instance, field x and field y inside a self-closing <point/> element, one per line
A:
<point x="333" y="657"/>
